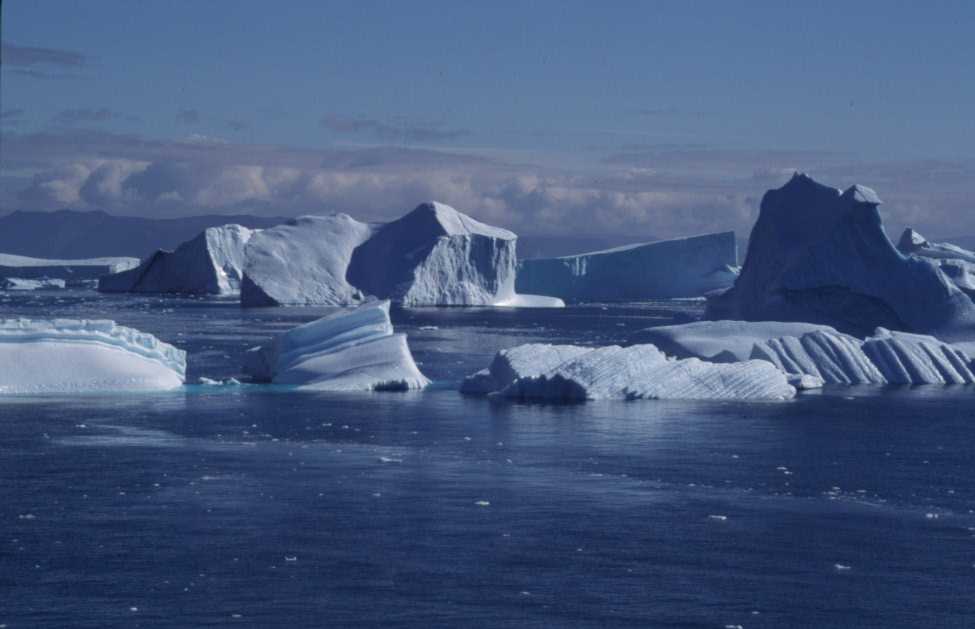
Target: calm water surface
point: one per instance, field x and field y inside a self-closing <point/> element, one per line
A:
<point x="251" y="506"/>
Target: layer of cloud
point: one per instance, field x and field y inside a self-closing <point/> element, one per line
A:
<point x="637" y="194"/>
<point x="400" y="130"/>
<point x="41" y="63"/>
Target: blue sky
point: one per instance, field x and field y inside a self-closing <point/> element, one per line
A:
<point x="666" y="117"/>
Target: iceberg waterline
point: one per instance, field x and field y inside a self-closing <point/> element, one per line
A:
<point x="84" y="355"/>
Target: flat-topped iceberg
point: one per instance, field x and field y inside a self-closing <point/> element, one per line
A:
<point x="210" y="264"/>
<point x="957" y="263"/>
<point x="351" y="350"/>
<point x="685" y="267"/>
<point x="820" y="255"/>
<point x="73" y="272"/>
<point x="68" y="355"/>
<point x="437" y="256"/>
<point x="304" y="261"/>
<point x="560" y="373"/>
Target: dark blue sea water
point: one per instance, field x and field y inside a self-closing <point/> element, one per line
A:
<point x="256" y="507"/>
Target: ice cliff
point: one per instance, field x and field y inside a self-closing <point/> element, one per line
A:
<point x="67" y="355"/>
<point x="351" y="350"/>
<point x="685" y="267"/>
<point x="210" y="264"/>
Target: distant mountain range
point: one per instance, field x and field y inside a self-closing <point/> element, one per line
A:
<point x="70" y="234"/>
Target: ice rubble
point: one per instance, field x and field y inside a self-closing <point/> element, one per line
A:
<point x="957" y="263"/>
<point x="351" y="350"/>
<point x="560" y="373"/>
<point x="69" y="355"/>
<point x="210" y="264"/>
<point x="73" y="272"/>
<point x="303" y="261"/>
<point x="820" y="255"/>
<point x="685" y="267"/>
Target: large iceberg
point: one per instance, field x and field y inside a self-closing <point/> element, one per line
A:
<point x="437" y="256"/>
<point x="210" y="264"/>
<point x="303" y="261"/>
<point x="73" y="272"/>
<point x="957" y="263"/>
<point x="352" y="350"/>
<point x="820" y="255"/>
<point x="685" y="267"/>
<point x="67" y="355"/>
<point x="555" y="373"/>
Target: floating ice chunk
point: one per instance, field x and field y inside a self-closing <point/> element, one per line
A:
<point x="719" y="518"/>
<point x="613" y="372"/>
<point x="304" y="261"/>
<point x="73" y="272"/>
<point x="841" y="567"/>
<point x="350" y="350"/>
<point x="18" y="283"/>
<point x="820" y="255"/>
<point x="685" y="267"/>
<point x="521" y="300"/>
<point x="209" y="264"/>
<point x="83" y="355"/>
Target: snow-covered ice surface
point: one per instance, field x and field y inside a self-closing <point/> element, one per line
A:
<point x="624" y="373"/>
<point x="720" y="341"/>
<point x="437" y="256"/>
<point x="684" y="267"/>
<point x="820" y="255"/>
<point x="67" y="355"/>
<point x="352" y="350"/>
<point x="72" y="271"/>
<point x="303" y="261"/>
<point x="955" y="262"/>
<point x="17" y="283"/>
<point x="210" y="264"/>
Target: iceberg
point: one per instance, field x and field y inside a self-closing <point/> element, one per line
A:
<point x="830" y="356"/>
<point x="351" y="350"/>
<point x="906" y="358"/>
<point x="210" y="264"/>
<point x="957" y="263"/>
<point x="720" y="341"/>
<point x="624" y="373"/>
<point x="18" y="283"/>
<point x="437" y="256"/>
<point x="685" y="267"/>
<point x="69" y="355"/>
<point x="73" y="272"/>
<point x="820" y="255"/>
<point x="304" y="261"/>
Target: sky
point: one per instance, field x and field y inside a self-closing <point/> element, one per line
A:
<point x="634" y="120"/>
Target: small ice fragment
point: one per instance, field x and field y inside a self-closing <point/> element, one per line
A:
<point x="720" y="518"/>
<point x="133" y="609"/>
<point x="483" y="503"/>
<point x="289" y="558"/>
<point x="386" y="459"/>
<point x="840" y="567"/>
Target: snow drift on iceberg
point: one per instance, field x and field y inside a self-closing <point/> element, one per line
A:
<point x="303" y="261"/>
<point x="820" y="255"/>
<point x="67" y="355"/>
<point x="685" y="267"/>
<point x="626" y="373"/>
<point x="73" y="272"/>
<point x="351" y="350"/>
<point x="210" y="264"/>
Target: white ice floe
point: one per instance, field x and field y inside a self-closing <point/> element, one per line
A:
<point x="210" y="264"/>
<point x="351" y="350"/>
<point x="684" y="267"/>
<point x="613" y="372"/>
<point x="67" y="355"/>
<point x="303" y="261"/>
<point x="71" y="271"/>
<point x="820" y="255"/>
<point x="17" y="283"/>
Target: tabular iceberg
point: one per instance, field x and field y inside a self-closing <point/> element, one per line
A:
<point x="437" y="256"/>
<point x="73" y="272"/>
<point x="625" y="373"/>
<point x="820" y="255"/>
<point x="957" y="263"/>
<point x="303" y="261"/>
<point x="67" y="355"/>
<point x="210" y="264"/>
<point x="685" y="267"/>
<point x="352" y="350"/>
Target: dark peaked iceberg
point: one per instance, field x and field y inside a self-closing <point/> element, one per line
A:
<point x="820" y="255"/>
